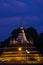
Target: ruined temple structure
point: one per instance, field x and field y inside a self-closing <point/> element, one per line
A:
<point x="21" y="51"/>
<point x="21" y="36"/>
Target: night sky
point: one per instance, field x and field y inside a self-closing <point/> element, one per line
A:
<point x="11" y="11"/>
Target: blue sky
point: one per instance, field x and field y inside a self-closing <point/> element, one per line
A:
<point x="11" y="11"/>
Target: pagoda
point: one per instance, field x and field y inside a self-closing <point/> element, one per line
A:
<point x="21" y="36"/>
<point x="21" y="51"/>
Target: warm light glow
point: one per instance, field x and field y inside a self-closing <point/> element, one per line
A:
<point x="27" y="51"/>
<point x="19" y="48"/>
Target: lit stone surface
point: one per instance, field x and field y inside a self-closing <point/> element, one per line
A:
<point x="21" y="56"/>
<point x="22" y="37"/>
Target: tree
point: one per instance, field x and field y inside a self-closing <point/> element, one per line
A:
<point x="15" y="33"/>
<point x="32" y="33"/>
<point x="40" y="43"/>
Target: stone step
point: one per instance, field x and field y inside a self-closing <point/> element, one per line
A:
<point x="21" y="55"/>
<point x="17" y="52"/>
<point x="38" y="59"/>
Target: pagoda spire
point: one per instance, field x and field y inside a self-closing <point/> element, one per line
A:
<point x="21" y="22"/>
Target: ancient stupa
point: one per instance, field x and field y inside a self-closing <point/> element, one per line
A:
<point x="21" y="36"/>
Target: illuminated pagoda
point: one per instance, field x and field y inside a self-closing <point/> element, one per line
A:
<point x="21" y="37"/>
<point x="21" y="51"/>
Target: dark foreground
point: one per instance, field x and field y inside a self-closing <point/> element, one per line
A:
<point x="19" y="64"/>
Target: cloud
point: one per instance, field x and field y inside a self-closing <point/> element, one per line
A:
<point x="7" y="21"/>
<point x="12" y="6"/>
<point x="12" y="3"/>
<point x="18" y="3"/>
<point x="3" y="5"/>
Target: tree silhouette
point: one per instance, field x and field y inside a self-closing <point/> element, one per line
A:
<point x="40" y="43"/>
<point x="32" y="33"/>
<point x="15" y="33"/>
